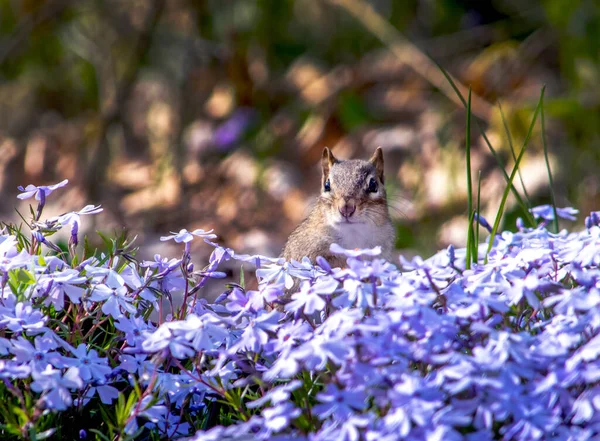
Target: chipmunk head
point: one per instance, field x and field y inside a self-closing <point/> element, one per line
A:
<point x="353" y="190"/>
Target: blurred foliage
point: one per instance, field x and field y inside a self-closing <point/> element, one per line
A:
<point x="211" y="113"/>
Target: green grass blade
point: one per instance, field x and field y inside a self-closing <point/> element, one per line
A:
<point x="512" y="175"/>
<point x="478" y="214"/>
<point x="550" y="181"/>
<point x="527" y="215"/>
<point x="514" y="156"/>
<point x="469" y="184"/>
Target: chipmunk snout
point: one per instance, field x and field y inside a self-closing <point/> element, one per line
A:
<point x="347" y="208"/>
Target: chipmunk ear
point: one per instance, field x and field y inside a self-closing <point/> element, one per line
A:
<point x="327" y="161"/>
<point x="377" y="161"/>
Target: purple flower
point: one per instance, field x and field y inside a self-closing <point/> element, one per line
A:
<point x="136" y="329"/>
<point x="205" y="332"/>
<point x="10" y="260"/>
<point x="275" y="274"/>
<point x="23" y="318"/>
<point x="41" y="191"/>
<point x="546" y="212"/>
<point x="256" y="334"/>
<point x="165" y="338"/>
<point x="136" y="364"/>
<point x="171" y="425"/>
<point x="114" y="300"/>
<point x="238" y="300"/>
<point x="162" y="264"/>
<point x="149" y="410"/>
<point x="278" y="418"/>
<point x="483" y="222"/>
<point x="106" y="393"/>
<point x="339" y="403"/>
<point x="230" y="131"/>
<point x="89" y="364"/>
<point x="55" y="387"/>
<point x="12" y="370"/>
<point x="593" y="219"/>
<point x="56" y="285"/>
<point x="310" y="297"/>
<point x="39" y="355"/>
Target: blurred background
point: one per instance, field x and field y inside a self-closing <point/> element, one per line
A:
<point x="213" y="114"/>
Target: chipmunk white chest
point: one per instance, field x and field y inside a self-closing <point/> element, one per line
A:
<point x="358" y="235"/>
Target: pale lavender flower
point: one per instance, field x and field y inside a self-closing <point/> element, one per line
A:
<point x="136" y="364"/>
<point x="39" y="355"/>
<point x="89" y="364"/>
<point x="164" y="338"/>
<point x="106" y="393"/>
<point x="546" y="212"/>
<point x="186" y="236"/>
<point x="12" y="370"/>
<point x="23" y="318"/>
<point x="239" y="300"/>
<point x="136" y="329"/>
<point x="74" y="217"/>
<point x="10" y="261"/>
<point x="55" y="387"/>
<point x="205" y="332"/>
<point x="275" y="274"/>
<point x="256" y="333"/>
<point x="56" y="285"/>
<point x="279" y="417"/>
<point x="162" y="264"/>
<point x="171" y="425"/>
<point x="310" y="297"/>
<point x="149" y="410"/>
<point x="340" y="404"/>
<point x="40" y="192"/>
<point x="114" y="300"/>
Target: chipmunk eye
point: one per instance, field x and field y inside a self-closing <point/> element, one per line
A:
<point x="327" y="185"/>
<point x="372" y="186"/>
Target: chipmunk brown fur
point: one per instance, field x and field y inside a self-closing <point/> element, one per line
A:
<point x="351" y="211"/>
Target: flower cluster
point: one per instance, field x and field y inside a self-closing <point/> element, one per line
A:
<point x="427" y="350"/>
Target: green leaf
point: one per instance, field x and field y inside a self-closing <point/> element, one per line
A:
<point x="100" y="435"/>
<point x="24" y="276"/>
<point x="108" y="242"/>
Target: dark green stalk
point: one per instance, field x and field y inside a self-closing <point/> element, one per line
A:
<point x="512" y="175"/>
<point x="512" y="151"/>
<point x="469" y="185"/>
<point x="550" y="181"/>
<point x="478" y="214"/>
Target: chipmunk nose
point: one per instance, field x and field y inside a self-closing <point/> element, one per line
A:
<point x="347" y="209"/>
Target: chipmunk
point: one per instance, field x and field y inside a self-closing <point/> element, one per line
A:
<point x="351" y="211"/>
